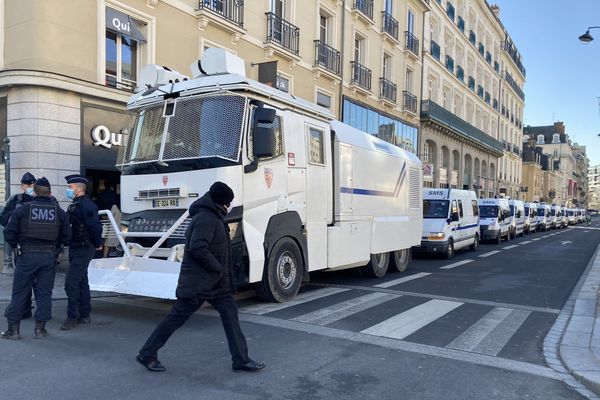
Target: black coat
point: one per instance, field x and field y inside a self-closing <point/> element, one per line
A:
<point x="206" y="272"/>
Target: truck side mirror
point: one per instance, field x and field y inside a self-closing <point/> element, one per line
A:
<point x="263" y="143"/>
<point x="264" y="115"/>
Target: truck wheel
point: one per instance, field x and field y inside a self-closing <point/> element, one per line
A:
<point x="499" y="238"/>
<point x="283" y="273"/>
<point x="400" y="260"/>
<point x="475" y="244"/>
<point x="450" y="251"/>
<point x="377" y="267"/>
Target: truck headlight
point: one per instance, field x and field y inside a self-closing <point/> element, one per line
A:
<point x="436" y="236"/>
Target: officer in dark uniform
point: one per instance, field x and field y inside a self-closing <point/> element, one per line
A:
<point x="86" y="238"/>
<point x="36" y="230"/>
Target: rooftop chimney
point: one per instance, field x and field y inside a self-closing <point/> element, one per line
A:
<point x="496" y="10"/>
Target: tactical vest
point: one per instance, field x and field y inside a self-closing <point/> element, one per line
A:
<point x="41" y="222"/>
<point x="79" y="234"/>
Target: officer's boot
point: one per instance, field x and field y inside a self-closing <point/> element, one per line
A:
<point x="12" y="332"/>
<point x="40" y="329"/>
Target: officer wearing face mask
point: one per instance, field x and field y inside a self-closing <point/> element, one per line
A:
<point x="86" y="238"/>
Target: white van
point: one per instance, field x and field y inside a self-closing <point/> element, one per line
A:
<point x="517" y="217"/>
<point x="450" y="221"/>
<point x="555" y="220"/>
<point x="564" y="219"/>
<point x="531" y="221"/>
<point x="495" y="219"/>
<point x="543" y="212"/>
<point x="572" y="219"/>
<point x="580" y="216"/>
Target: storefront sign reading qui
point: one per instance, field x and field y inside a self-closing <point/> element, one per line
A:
<point x="102" y="136"/>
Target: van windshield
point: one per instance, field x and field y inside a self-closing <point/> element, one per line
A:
<point x="526" y="210"/>
<point x="541" y="212"/>
<point x="488" y="211"/>
<point x="570" y="213"/>
<point x="435" y="208"/>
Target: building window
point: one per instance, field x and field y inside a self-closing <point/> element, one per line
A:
<point x="359" y="44"/>
<point x="410" y="22"/>
<point x="324" y="28"/>
<point x="283" y="83"/>
<point x="425" y="153"/>
<point x="555" y="138"/>
<point x="540" y="139"/>
<point x="123" y="42"/>
<point x="408" y="84"/>
<point x="316" y="146"/>
<point x="324" y="100"/>
<point x="387" y="66"/>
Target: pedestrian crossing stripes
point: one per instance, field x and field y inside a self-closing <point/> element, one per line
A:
<point x="408" y="322"/>
<point x="490" y="253"/>
<point x="402" y="280"/>
<point x="456" y="264"/>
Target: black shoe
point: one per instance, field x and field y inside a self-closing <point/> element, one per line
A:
<point x="40" y="330"/>
<point x="12" y="332"/>
<point x="152" y="365"/>
<point x="85" y="320"/>
<point x="69" y="324"/>
<point x="250" y="366"/>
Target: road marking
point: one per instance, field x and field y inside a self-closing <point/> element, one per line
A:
<point x="491" y="253"/>
<point x="490" y="334"/>
<point x="510" y="247"/>
<point x="408" y="322"/>
<point x="566" y="242"/>
<point x="402" y="280"/>
<point x="265" y="308"/>
<point x="345" y="309"/>
<point x="536" y="239"/>
<point x="546" y="236"/>
<point x="456" y="264"/>
<point x="526" y="242"/>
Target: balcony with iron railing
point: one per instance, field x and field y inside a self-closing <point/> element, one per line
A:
<point x="361" y="75"/>
<point x="387" y="90"/>
<point x="435" y="50"/>
<point x="365" y="7"/>
<point x="327" y="57"/>
<point x="449" y="63"/>
<point x="433" y="112"/>
<point x="460" y="73"/>
<point x="389" y="25"/>
<point x="411" y="43"/>
<point x="283" y="33"/>
<point x="230" y="10"/>
<point x="409" y="102"/>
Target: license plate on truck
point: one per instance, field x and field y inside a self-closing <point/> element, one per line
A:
<point x="161" y="203"/>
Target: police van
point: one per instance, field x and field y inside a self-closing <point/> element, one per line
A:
<point x="543" y="212"/>
<point x="450" y="221"/>
<point x="564" y="219"/>
<point x="495" y="219"/>
<point x="530" y="217"/>
<point x="555" y="220"/>
<point x="517" y="217"/>
<point x="571" y="219"/>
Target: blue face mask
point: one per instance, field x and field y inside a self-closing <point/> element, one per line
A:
<point x="70" y="193"/>
<point x="29" y="191"/>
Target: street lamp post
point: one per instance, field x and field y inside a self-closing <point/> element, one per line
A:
<point x="587" y="37"/>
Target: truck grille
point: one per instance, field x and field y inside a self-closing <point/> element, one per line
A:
<point x="158" y="193"/>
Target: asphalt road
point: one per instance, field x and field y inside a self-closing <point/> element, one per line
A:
<point x="467" y="328"/>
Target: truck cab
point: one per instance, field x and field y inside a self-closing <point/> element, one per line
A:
<point x="495" y="219"/>
<point x="517" y="217"/>
<point x="450" y="221"/>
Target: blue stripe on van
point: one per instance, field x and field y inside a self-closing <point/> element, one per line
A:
<point x="460" y="228"/>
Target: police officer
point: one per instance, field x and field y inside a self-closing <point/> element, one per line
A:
<point x="36" y="230"/>
<point x="86" y="238"/>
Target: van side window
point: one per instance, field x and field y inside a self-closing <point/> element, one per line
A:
<point x="475" y="208"/>
<point x="276" y="126"/>
<point x="460" y="209"/>
<point x="316" y="146"/>
<point x="518" y="213"/>
<point x="454" y="207"/>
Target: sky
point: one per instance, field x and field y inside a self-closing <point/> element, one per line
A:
<point x="563" y="74"/>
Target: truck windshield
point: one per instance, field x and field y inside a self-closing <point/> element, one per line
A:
<point x="541" y="212"/>
<point x="435" y="208"/>
<point x="488" y="211"/>
<point x="198" y="127"/>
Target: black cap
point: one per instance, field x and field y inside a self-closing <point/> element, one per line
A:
<point x="220" y="193"/>
<point x="76" y="178"/>
<point x="28" y="179"/>
<point x="42" y="182"/>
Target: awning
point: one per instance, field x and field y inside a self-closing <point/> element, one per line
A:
<point x="124" y="24"/>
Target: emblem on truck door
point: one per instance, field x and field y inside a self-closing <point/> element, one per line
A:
<point x="268" y="177"/>
<point x="165" y="180"/>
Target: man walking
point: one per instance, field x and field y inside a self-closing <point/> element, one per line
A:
<point x="86" y="238"/>
<point x="206" y="275"/>
<point x="36" y="230"/>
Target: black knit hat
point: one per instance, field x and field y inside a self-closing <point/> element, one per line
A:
<point x="28" y="179"/>
<point x="42" y="182"/>
<point x="220" y="193"/>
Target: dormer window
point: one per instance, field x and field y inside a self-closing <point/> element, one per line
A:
<point x="555" y="138"/>
<point x="540" y="139"/>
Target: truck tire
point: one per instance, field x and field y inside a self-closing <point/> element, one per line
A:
<point x="400" y="259"/>
<point x="377" y="267"/>
<point x="450" y="250"/>
<point x="475" y="244"/>
<point x="283" y="272"/>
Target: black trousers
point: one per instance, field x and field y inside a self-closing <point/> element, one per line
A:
<point x="183" y="309"/>
<point x="77" y="288"/>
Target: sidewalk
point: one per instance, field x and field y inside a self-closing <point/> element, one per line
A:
<point x="573" y="344"/>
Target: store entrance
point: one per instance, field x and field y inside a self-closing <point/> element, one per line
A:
<point x="104" y="188"/>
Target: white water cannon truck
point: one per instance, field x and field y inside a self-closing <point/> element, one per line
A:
<point x="311" y="193"/>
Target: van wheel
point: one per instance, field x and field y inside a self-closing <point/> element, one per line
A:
<point x="450" y="250"/>
<point x="499" y="238"/>
<point x="475" y="244"/>
<point x="377" y="267"/>
<point x="400" y="259"/>
<point x="283" y="273"/>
